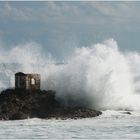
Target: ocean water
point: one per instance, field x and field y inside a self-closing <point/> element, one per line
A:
<point x="110" y="125"/>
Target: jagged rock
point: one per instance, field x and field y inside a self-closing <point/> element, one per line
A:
<point x="23" y="104"/>
<point x="18" y="116"/>
<point x="129" y="113"/>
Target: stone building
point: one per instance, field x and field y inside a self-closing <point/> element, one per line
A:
<point x="27" y="81"/>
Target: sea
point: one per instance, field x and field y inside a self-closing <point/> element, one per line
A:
<point x="110" y="125"/>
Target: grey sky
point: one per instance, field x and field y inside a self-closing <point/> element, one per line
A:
<point x="61" y="26"/>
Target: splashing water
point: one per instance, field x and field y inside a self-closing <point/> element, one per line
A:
<point x="99" y="76"/>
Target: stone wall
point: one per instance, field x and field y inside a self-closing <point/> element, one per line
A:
<point x="27" y="81"/>
<point x="20" y="79"/>
<point x="32" y="81"/>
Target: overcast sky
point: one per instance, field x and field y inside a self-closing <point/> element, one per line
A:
<point x="60" y="26"/>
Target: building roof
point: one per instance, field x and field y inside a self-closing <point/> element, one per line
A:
<point x="19" y="73"/>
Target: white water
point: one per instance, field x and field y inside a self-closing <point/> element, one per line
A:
<point x="110" y="125"/>
<point x="98" y="76"/>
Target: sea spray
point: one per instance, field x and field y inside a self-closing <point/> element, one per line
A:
<point x="98" y="76"/>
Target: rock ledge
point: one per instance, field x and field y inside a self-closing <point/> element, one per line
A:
<point x="23" y="104"/>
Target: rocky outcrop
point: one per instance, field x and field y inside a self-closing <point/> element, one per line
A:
<point x="23" y="104"/>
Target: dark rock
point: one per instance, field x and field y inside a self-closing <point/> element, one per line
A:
<point x="19" y="116"/>
<point x="23" y="104"/>
<point x="129" y="113"/>
<point x="75" y="112"/>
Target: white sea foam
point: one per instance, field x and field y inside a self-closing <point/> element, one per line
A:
<point x="110" y="125"/>
<point x="99" y="76"/>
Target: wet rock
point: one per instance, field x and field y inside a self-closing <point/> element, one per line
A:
<point x="23" y="104"/>
<point x="18" y="116"/>
<point x="129" y="113"/>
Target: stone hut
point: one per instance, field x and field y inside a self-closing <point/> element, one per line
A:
<point x="27" y="81"/>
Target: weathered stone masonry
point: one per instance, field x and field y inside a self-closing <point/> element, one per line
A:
<point x="27" y="81"/>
